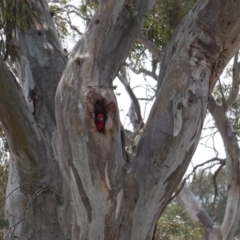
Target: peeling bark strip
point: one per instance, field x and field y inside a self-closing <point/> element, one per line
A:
<point x="100" y="196"/>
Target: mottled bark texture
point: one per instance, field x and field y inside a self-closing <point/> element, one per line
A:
<point x="187" y="199"/>
<point x="76" y="182"/>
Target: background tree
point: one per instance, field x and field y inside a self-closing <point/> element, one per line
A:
<point x="204" y="187"/>
<point x="69" y="181"/>
<point x="225" y="116"/>
<point x="4" y="157"/>
<point x="176" y="224"/>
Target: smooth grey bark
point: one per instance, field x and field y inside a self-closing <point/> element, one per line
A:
<point x="134" y="111"/>
<point x="150" y="46"/>
<point x="187" y="199"/>
<point x="191" y="65"/>
<point x="76" y="182"/>
<point x="27" y="114"/>
<point x="235" y="82"/>
<point x="197" y="212"/>
<point x="232" y="213"/>
<point x="138" y="190"/>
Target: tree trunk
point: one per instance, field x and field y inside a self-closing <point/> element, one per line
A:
<point x="35" y="182"/>
<point x="67" y="179"/>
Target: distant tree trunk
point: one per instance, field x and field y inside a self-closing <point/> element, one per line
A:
<point x="68" y="180"/>
<point x="191" y="204"/>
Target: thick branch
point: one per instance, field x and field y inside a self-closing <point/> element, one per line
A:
<point x="135" y="111"/>
<point x="235" y="82"/>
<point x="191" y="65"/>
<point x="232" y="212"/>
<point x="32" y="120"/>
<point x="127" y="20"/>
<point x="197" y="212"/>
<point x="18" y="122"/>
<point x="194" y="208"/>
<point x="27" y="112"/>
<point x="150" y="46"/>
<point x="92" y="157"/>
<point x="42" y="62"/>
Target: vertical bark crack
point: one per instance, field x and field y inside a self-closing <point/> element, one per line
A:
<point x="82" y="192"/>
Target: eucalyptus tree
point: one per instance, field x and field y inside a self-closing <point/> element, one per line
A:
<point x="70" y="179"/>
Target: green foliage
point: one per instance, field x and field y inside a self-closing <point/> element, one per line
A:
<point x="212" y="194"/>
<point x="88" y="7"/>
<point x="164" y="19"/>
<point x="213" y="197"/>
<point x="175" y="222"/>
<point x="172" y="226"/>
<point x="15" y="14"/>
<point x="159" y="26"/>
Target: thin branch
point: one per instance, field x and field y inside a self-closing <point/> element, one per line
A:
<point x="76" y="11"/>
<point x="143" y="71"/>
<point x="224" y="103"/>
<point x="146" y="99"/>
<point x="9" y="233"/>
<point x="74" y="28"/>
<point x="135" y="111"/>
<point x="220" y="161"/>
<point x="215" y="175"/>
<point x="151" y="47"/>
<point x="41" y="189"/>
<point x="236" y="81"/>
